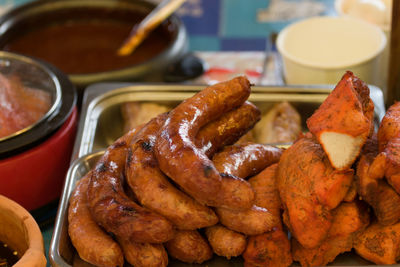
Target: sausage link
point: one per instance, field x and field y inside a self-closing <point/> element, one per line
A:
<point x="153" y="189"/>
<point x="187" y="165"/>
<point x="144" y="254"/>
<point x="253" y="221"/>
<point x="246" y="159"/>
<point x="225" y="242"/>
<point x="227" y="129"/>
<point x="113" y="210"/>
<point x="90" y="241"/>
<point x="189" y="247"/>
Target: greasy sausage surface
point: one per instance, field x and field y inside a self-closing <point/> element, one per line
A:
<point x="153" y="189"/>
<point x="246" y="159"/>
<point x="187" y="165"/>
<point x="90" y="241"/>
<point x="228" y="128"/>
<point x="113" y="210"/>
<point x="253" y="221"/>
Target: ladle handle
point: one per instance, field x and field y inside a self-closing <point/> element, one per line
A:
<point x="151" y="21"/>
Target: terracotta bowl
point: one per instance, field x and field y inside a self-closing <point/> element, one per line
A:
<point x="20" y="231"/>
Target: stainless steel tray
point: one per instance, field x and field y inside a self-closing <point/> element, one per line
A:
<point x="101" y="124"/>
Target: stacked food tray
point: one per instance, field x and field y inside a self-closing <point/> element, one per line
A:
<point x="101" y="123"/>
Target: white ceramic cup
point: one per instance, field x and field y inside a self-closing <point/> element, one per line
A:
<point x="319" y="50"/>
<point x="378" y="12"/>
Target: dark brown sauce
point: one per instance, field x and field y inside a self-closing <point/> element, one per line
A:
<point x="87" y="46"/>
<point x="8" y="257"/>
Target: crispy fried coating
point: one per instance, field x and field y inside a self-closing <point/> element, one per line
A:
<point x="246" y="159"/>
<point x="189" y="247"/>
<point x="387" y="163"/>
<point x="349" y="219"/>
<point x="379" y="244"/>
<point x="310" y="188"/>
<point x="188" y="166"/>
<point x="268" y="249"/>
<point x="389" y="127"/>
<point x="90" y="241"/>
<point x="153" y="189"/>
<point x="383" y="199"/>
<point x="273" y="247"/>
<point x="344" y="121"/>
<point x="266" y="190"/>
<point x="225" y="242"/>
<point x="113" y="210"/>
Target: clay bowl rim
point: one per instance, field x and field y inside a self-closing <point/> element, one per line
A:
<point x="35" y="251"/>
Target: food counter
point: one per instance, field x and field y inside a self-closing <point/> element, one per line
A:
<point x="227" y="49"/>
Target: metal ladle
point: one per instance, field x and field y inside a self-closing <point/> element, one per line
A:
<point x="148" y="24"/>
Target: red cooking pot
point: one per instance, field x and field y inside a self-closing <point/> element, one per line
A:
<point x="35" y="159"/>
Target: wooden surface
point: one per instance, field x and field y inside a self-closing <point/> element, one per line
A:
<point x="394" y="58"/>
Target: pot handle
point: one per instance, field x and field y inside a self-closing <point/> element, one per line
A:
<point x="186" y="68"/>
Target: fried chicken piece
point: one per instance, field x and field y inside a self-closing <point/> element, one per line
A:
<point x="352" y="192"/>
<point x="349" y="219"/>
<point x="310" y="188"/>
<point x="383" y="198"/>
<point x="379" y="244"/>
<point x="271" y="248"/>
<point x="387" y="163"/>
<point x="281" y="124"/>
<point x="344" y="121"/>
<point x="390" y="126"/>
<point x="268" y="249"/>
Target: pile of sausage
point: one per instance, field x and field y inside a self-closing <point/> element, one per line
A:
<point x="176" y="186"/>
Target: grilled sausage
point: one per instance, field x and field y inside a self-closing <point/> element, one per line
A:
<point x="113" y="210"/>
<point x="187" y="165"/>
<point x="144" y="254"/>
<point x="246" y="159"/>
<point x="153" y="189"/>
<point x="189" y="247"/>
<point x="90" y="241"/>
<point x="253" y="221"/>
<point x="227" y="129"/>
<point x="225" y="242"/>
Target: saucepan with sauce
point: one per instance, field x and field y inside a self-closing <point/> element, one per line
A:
<point x="81" y="38"/>
<point x="38" y="118"/>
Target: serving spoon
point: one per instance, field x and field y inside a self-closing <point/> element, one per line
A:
<point x="140" y="31"/>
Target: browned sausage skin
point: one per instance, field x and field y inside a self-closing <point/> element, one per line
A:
<point x="153" y="189"/>
<point x="113" y="210"/>
<point x="90" y="241"/>
<point x="189" y="246"/>
<point x="187" y="165"/>
<point x="227" y="129"/>
<point x="246" y="159"/>
<point x="225" y="242"/>
<point x="144" y="254"/>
